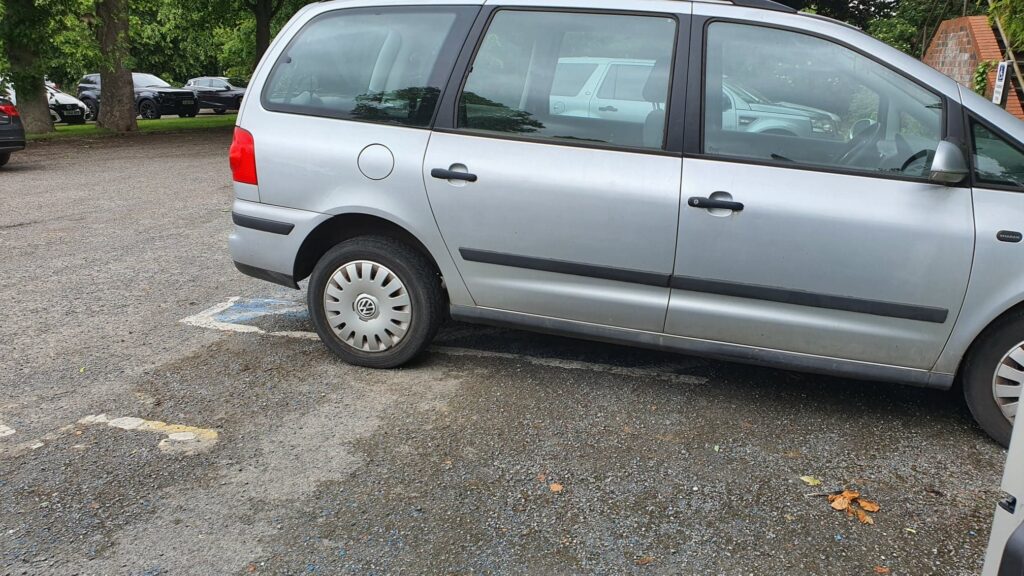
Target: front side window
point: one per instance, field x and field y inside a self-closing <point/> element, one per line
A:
<point x="537" y="74"/>
<point x="996" y="161"/>
<point x="383" y="65"/>
<point x="796" y="100"/>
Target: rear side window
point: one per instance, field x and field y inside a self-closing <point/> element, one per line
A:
<point x="996" y="161"/>
<point x="384" y="65"/>
<point x="533" y="77"/>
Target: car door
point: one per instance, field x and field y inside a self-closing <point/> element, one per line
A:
<point x="813" y="240"/>
<point x="553" y="215"/>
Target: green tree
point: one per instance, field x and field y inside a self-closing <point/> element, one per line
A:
<point x="23" y="28"/>
<point x="117" y="108"/>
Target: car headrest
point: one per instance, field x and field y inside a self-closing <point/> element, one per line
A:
<point x="656" y="89"/>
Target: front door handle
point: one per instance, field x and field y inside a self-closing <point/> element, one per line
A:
<point x="442" y="174"/>
<point x="607" y="109"/>
<point x="706" y="203"/>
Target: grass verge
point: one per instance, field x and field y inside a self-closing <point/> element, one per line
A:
<point x="166" y="124"/>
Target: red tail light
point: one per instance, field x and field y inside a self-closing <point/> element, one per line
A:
<point x="243" y="157"/>
<point x="8" y="110"/>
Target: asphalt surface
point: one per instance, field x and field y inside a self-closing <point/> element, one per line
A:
<point x="499" y="452"/>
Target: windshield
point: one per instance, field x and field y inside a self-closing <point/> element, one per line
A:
<point x="147" y="80"/>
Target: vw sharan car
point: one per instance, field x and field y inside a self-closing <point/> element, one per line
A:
<point x="404" y="157"/>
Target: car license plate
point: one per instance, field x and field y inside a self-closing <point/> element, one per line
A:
<point x="188" y="102"/>
<point x="72" y="112"/>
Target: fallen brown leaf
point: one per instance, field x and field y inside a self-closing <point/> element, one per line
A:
<point x="863" y="516"/>
<point x="251" y="567"/>
<point x="542" y="477"/>
<point x="882" y="570"/>
<point x="840" y="502"/>
<point x="556" y="487"/>
<point x="850" y="495"/>
<point x="868" y="505"/>
<point x="644" y="560"/>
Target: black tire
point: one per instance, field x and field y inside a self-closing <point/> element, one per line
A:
<point x="188" y="115"/>
<point x="220" y="110"/>
<point x="149" y="110"/>
<point x="422" y="283"/>
<point x="94" y="108"/>
<point x="976" y="376"/>
<point x="5" y="158"/>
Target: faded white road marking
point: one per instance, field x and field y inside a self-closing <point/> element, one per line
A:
<point x="5" y="430"/>
<point x="212" y="318"/>
<point x="634" y="372"/>
<point x="179" y="438"/>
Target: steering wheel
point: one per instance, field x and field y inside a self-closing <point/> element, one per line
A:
<point x="926" y="155"/>
<point x="859" y="144"/>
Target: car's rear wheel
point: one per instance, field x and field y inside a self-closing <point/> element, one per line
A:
<point x="993" y="377"/>
<point x="5" y="158"/>
<point x="219" y="110"/>
<point x="375" y="301"/>
<point x="149" y="110"/>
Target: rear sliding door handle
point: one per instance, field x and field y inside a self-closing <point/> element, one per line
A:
<point x="699" y="202"/>
<point x="442" y="174"/>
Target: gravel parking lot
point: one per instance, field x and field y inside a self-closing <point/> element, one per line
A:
<point x="134" y="443"/>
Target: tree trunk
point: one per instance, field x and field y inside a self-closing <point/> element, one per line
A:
<point x="117" y="93"/>
<point x="33" y="104"/>
<point x="264" y="11"/>
<point x="24" y="39"/>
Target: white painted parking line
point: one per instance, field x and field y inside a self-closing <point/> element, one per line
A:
<point x="228" y="317"/>
<point x="639" y="372"/>
<point x="5" y="430"/>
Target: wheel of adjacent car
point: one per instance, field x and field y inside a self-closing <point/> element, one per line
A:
<point x="149" y="110"/>
<point x="187" y="115"/>
<point x="94" y="108"/>
<point x="5" y="158"/>
<point x="375" y="301"/>
<point x="993" y="376"/>
<point x="219" y="110"/>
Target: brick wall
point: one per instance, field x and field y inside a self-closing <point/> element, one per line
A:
<point x="960" y="45"/>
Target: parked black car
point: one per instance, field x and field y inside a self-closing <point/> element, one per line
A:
<point x="153" y="96"/>
<point x="218" y="92"/>
<point x="12" y="133"/>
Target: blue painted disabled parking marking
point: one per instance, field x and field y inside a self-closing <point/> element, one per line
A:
<point x="249" y="309"/>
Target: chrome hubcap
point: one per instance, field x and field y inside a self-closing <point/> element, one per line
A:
<point x="367" y="306"/>
<point x="1008" y="381"/>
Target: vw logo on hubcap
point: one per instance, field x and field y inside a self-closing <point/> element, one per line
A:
<point x="366" y="307"/>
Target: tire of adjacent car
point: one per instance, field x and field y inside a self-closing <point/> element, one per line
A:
<point x="978" y="372"/>
<point x="220" y="110"/>
<point x="151" y="105"/>
<point x="413" y="269"/>
<point x="5" y="158"/>
<point x="93" y="106"/>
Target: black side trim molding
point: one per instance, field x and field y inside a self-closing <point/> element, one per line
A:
<point x="563" y="267"/>
<point x="750" y="291"/>
<point x="812" y="299"/>
<point x="268" y="275"/>
<point x="262" y="224"/>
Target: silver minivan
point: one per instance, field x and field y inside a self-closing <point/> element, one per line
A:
<point x="405" y="156"/>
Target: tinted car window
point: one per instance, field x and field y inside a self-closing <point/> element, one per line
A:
<point x="996" y="161"/>
<point x="520" y="85"/>
<point x="625" y="82"/>
<point x="380" y="65"/>
<point x="570" y="77"/>
<point x="218" y="84"/>
<point x="796" y="100"/>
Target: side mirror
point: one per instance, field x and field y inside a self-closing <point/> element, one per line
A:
<point x="949" y="165"/>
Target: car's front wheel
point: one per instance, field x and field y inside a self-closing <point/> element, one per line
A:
<point x="5" y="158"/>
<point x="993" y="376"/>
<point x="149" y="110"/>
<point x="375" y="301"/>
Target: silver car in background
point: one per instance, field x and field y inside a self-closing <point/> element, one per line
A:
<point x="416" y="160"/>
